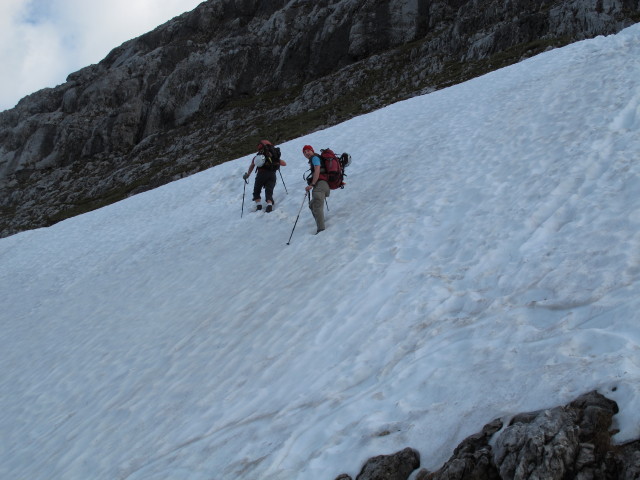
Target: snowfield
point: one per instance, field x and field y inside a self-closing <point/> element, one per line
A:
<point x="483" y="260"/>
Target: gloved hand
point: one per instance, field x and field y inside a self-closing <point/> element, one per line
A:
<point x="245" y="176"/>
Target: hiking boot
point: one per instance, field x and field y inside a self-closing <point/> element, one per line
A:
<point x="320" y="230"/>
<point x="269" y="208"/>
<point x="258" y="207"/>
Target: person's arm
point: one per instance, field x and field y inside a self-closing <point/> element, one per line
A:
<point x="283" y="163"/>
<point x="314" y="179"/>
<point x="246" y="175"/>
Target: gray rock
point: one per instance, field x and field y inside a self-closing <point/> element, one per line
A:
<point x="397" y="466"/>
<point x="567" y="442"/>
<point x="471" y="460"/>
<point x="343" y="476"/>
<point x="573" y="441"/>
<point x="201" y="88"/>
<point x="628" y="460"/>
<point x="563" y="442"/>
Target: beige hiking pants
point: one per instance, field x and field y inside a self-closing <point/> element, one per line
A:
<point x="318" y="195"/>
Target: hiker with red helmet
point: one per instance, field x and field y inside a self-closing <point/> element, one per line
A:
<point x="320" y="187"/>
<point x="267" y="162"/>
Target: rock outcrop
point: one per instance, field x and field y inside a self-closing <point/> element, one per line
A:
<point x="202" y="88"/>
<point x="566" y="442"/>
<point x="397" y="466"/>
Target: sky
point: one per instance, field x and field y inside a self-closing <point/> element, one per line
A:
<point x="482" y="261"/>
<point x="43" y="41"/>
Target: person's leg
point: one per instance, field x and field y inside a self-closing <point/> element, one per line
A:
<point x="320" y="192"/>
<point x="269" y="185"/>
<point x="257" y="188"/>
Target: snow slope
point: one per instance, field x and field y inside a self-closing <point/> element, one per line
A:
<point x="484" y="260"/>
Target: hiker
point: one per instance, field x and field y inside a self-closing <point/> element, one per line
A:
<point x="267" y="162"/>
<point x="320" y="188"/>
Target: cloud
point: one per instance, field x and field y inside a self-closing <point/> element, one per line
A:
<point x="42" y="41"/>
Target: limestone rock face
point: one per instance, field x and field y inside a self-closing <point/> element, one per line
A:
<point x="397" y="466"/>
<point x="565" y="442"/>
<point x="570" y="441"/>
<point x="201" y="88"/>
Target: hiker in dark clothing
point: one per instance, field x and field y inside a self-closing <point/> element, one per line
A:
<point x="267" y="162"/>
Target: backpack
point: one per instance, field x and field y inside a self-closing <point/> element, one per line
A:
<point x="332" y="168"/>
<point x="271" y="156"/>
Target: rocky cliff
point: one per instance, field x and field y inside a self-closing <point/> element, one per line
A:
<point x="202" y="88"/>
<point x="573" y="441"/>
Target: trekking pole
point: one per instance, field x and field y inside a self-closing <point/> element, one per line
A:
<point x="296" y="222"/>
<point x="285" y="186"/>
<point x="244" y="191"/>
<point x="326" y="203"/>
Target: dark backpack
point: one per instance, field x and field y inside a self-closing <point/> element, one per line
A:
<point x="271" y="156"/>
<point x="332" y="168"/>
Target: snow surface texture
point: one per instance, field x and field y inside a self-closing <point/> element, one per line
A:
<point x="484" y="260"/>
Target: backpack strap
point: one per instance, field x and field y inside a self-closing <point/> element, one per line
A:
<point x="321" y="162"/>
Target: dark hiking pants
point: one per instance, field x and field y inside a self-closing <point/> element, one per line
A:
<point x="267" y="180"/>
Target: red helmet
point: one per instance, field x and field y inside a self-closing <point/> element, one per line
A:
<point x="307" y="147"/>
<point x="263" y="143"/>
